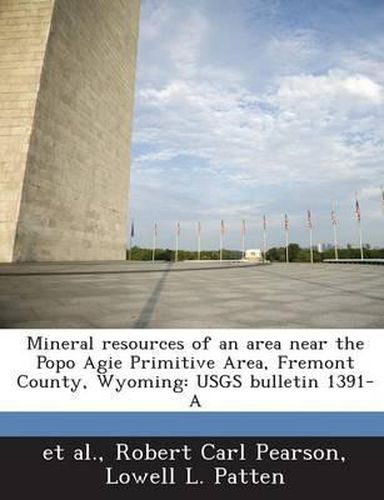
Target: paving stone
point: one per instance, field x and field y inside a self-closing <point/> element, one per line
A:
<point x="158" y="295"/>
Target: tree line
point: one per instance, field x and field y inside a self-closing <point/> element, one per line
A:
<point x="275" y="254"/>
<point x="167" y="254"/>
<point x="298" y="254"/>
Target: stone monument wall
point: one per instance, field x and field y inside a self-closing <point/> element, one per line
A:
<point x="24" y="28"/>
<point x="74" y="176"/>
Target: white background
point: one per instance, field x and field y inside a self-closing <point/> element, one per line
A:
<point x="15" y="360"/>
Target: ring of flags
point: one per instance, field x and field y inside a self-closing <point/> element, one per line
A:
<point x="243" y="230"/>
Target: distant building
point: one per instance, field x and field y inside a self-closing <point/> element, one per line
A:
<point x="254" y="254"/>
<point x="320" y="247"/>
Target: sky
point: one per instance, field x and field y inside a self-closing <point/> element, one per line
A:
<point x="246" y="107"/>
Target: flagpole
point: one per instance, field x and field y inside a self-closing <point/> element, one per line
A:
<point x="243" y="238"/>
<point x="265" y="238"/>
<point x="358" y="218"/>
<point x="335" y="242"/>
<point x="154" y="241"/>
<point x="334" y="224"/>
<point x="131" y="235"/>
<point x="265" y="246"/>
<point x="311" y="244"/>
<point x="286" y="246"/>
<point x="221" y="239"/>
<point x="198" y="240"/>
<point x="286" y="239"/>
<point x="361" y="242"/>
<point x="177" y="241"/>
<point x="221" y="246"/>
<point x="310" y="227"/>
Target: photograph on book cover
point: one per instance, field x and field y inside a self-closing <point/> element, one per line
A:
<point x="191" y="247"/>
<point x="255" y="187"/>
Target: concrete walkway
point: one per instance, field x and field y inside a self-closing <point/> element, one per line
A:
<point x="186" y="295"/>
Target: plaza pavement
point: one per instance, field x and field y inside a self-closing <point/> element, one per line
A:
<point x="190" y="295"/>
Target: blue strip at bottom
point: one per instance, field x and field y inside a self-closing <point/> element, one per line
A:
<point x="153" y="424"/>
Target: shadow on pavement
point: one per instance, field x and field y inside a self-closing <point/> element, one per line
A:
<point x="146" y="314"/>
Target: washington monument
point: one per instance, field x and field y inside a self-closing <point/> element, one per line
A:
<point x="67" y="73"/>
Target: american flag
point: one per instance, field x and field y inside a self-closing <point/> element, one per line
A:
<point x="333" y="217"/>
<point x="155" y="229"/>
<point x="264" y="222"/>
<point x="178" y="228"/>
<point x="357" y="211"/>
<point x="132" y="229"/>
<point x="382" y="197"/>
<point x="222" y="227"/>
<point x="309" y="219"/>
<point x="286" y="223"/>
<point x="243" y="226"/>
<point x="199" y="228"/>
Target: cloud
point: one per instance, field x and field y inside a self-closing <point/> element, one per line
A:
<point x="236" y="131"/>
<point x="371" y="193"/>
<point x="335" y="88"/>
<point x="217" y="135"/>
